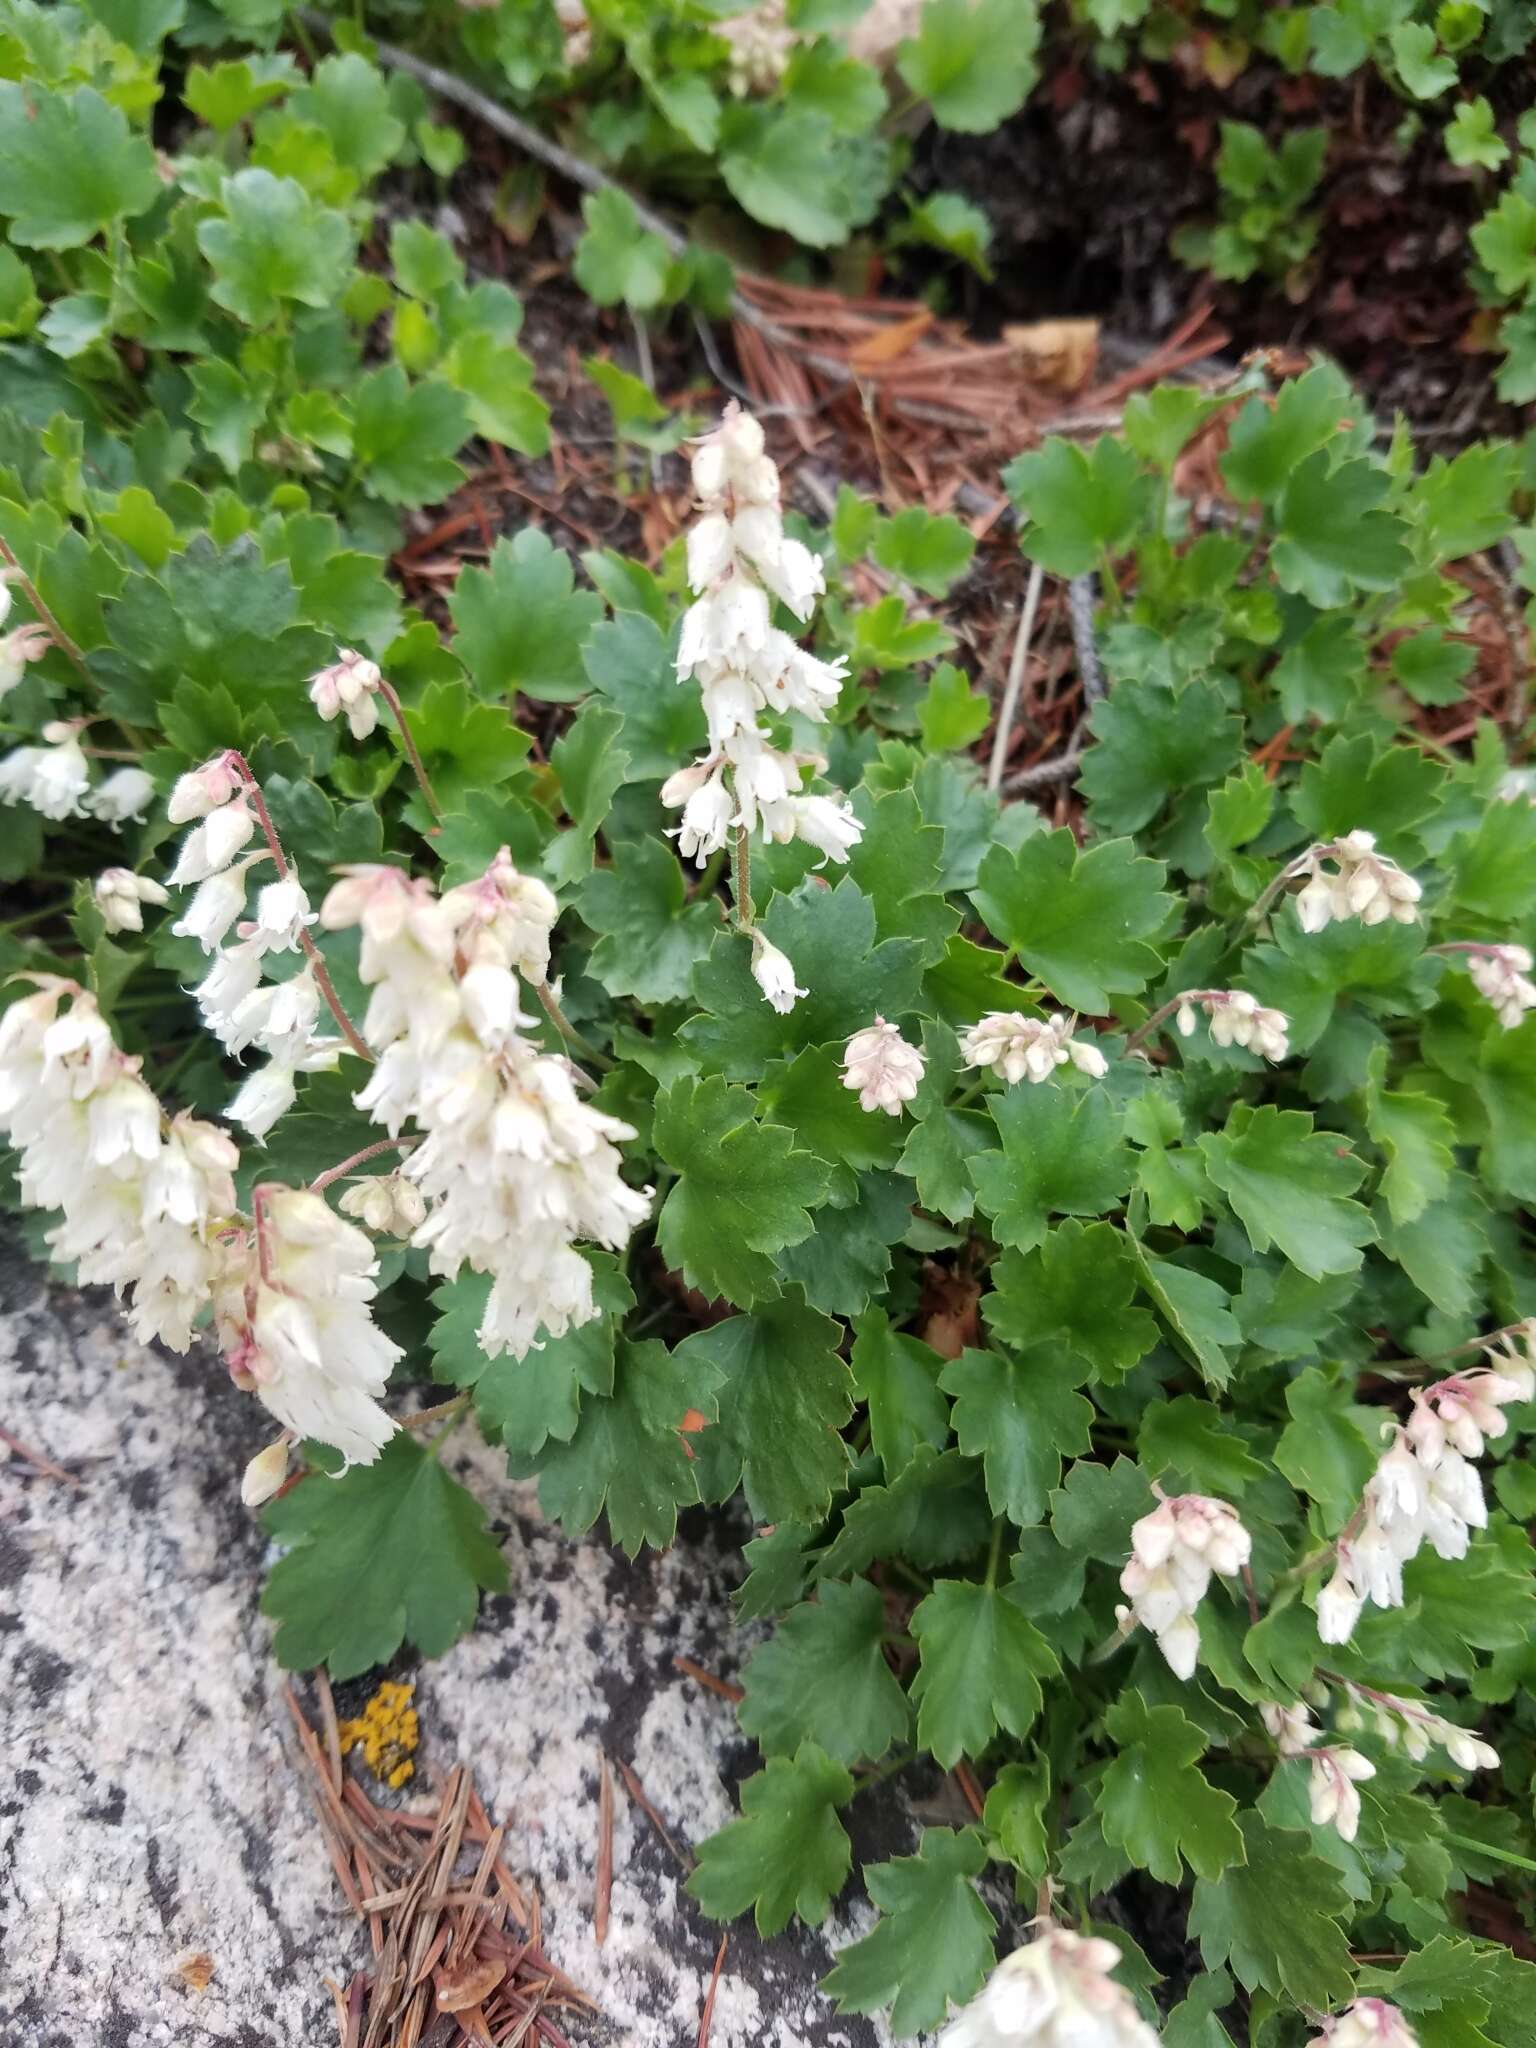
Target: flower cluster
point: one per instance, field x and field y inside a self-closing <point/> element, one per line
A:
<point x="1337" y="1771"/>
<point x="882" y="1067"/>
<point x="738" y="558"/>
<point x="514" y="1166"/>
<point x="143" y="1199"/>
<point x="1369" y="2023"/>
<point x="1236" y="1018"/>
<point x="1174" y="1550"/>
<point x="1029" y="1048"/>
<point x="1058" y="1991"/>
<point x="1424" y="1490"/>
<point x="1347" y="877"/>
<point x="350" y="685"/>
<point x="120" y="895"/>
<point x="1502" y="974"/>
<point x="1410" y="1726"/>
<point x="55" y="778"/>
<point x="292" y="1311"/>
<point x="240" y="1004"/>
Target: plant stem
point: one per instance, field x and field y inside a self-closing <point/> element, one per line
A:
<point x="368" y="1152"/>
<point x="27" y="917"/>
<point x="1160" y="1015"/>
<point x="454" y="1412"/>
<point x="568" y="1031"/>
<point x="994" y="1555"/>
<point x="391" y="697"/>
<point x="743" y="865"/>
<point x="318" y="968"/>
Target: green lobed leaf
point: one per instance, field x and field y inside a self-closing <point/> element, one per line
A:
<point x="69" y="167"/>
<point x="1080" y="921"/>
<point x="1021" y="1418"/>
<point x="980" y="1668"/>
<point x="1073" y="1293"/>
<point x="1062" y="1154"/>
<point x="1274" y="1919"/>
<point x="1289" y="1185"/>
<point x="931" y="1946"/>
<point x="788" y="1853"/>
<point x="1155" y="1803"/>
<point x="391" y="1552"/>
<point x="974" y="64"/>
<point x="522" y="621"/>
<point x="822" y="1677"/>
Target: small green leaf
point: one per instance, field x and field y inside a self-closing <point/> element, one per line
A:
<point x="1154" y="1802"/>
<point x="1334" y="536"/>
<point x="743" y="1190"/>
<point x="1325" y="1449"/>
<point x="1191" y="1439"/>
<point x="933" y="1943"/>
<point x="1153" y="745"/>
<point x="1080" y="921"/>
<point x="69" y="167"/>
<point x="1073" y="1293"/>
<point x="651" y="937"/>
<point x="932" y="553"/>
<point x="1021" y="1418"/>
<point x="952" y="714"/>
<point x="522" y="621"/>
<point x="1289" y="1185"/>
<point x="1275" y="1918"/>
<point x="617" y="261"/>
<point x="1079" y="504"/>
<point x="980" y="1669"/>
<point x="391" y="1552"/>
<point x="897" y="1378"/>
<point x="822" y="1677"/>
<point x="405" y="436"/>
<point x="273" y="245"/>
<point x="788" y="1853"/>
<point x="1062" y="1154"/>
<point x="973" y="63"/>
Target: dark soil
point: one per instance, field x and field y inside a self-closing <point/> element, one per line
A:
<point x="1086" y="186"/>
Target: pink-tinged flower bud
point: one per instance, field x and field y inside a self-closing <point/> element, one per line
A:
<point x="26" y="644"/>
<point x="202" y="790"/>
<point x="348" y="685"/>
<point x="880" y="1065"/>
<point x="120" y="896"/>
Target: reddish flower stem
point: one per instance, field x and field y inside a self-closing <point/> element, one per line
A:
<point x="391" y="697"/>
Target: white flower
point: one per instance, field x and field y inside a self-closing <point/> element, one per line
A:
<point x="711" y="550"/>
<point x="707" y="814"/>
<point x="387" y="1203"/>
<point x="1290" y="1728"/>
<point x="1238" y="1018"/>
<point x="1029" y="1048"/>
<point x="120" y="896"/>
<point x="1336" y="1772"/>
<point x="52" y="779"/>
<point x="282" y="916"/>
<point x="830" y="827"/>
<point x="1503" y="975"/>
<point x="215" y="905"/>
<point x="211" y="845"/>
<point x="1416" y="1729"/>
<point x="514" y="1166"/>
<point x="880" y="1065"/>
<point x="1174" y="1550"/>
<point x="348" y="685"/>
<point x="504" y="919"/>
<point x="296" y="1329"/>
<point x="1464" y="1411"/>
<point x="1369" y="2023"/>
<point x="265" y="1473"/>
<point x="234" y="975"/>
<point x="140" y="1203"/>
<point x="1513" y="1358"/>
<point x="278" y="1016"/>
<point x="1338" y="1608"/>
<point x="22" y="645"/>
<point x="126" y="793"/>
<point x="1349" y="878"/>
<point x="1058" y="1991"/>
<point x="202" y="790"/>
<point x="774" y="974"/>
<point x="266" y="1094"/>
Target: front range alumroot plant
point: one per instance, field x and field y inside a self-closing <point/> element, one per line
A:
<point x="1087" y="1265"/>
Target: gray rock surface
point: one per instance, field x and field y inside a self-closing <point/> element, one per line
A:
<point x="153" y="1806"/>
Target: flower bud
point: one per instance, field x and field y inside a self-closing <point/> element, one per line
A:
<point x="265" y="1473"/>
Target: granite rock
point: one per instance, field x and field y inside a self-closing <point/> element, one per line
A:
<point x="155" y="1813"/>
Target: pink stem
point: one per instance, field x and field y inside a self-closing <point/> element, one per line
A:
<point x="391" y="697"/>
<point x="368" y="1152"/>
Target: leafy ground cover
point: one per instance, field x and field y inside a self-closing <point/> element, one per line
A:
<point x="959" y="989"/>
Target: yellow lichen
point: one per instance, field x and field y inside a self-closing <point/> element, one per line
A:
<point x="386" y="1731"/>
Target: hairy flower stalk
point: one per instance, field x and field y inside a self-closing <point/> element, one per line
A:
<point x="1174" y="1550"/>
<point x="1410" y="1726"/>
<point x="514" y="1167"/>
<point x="1424" y="1490"/>
<point x="739" y="559"/>
<point x="1057" y="1991"/>
<point x="1023" y="1048"/>
<point x="351" y="685"/>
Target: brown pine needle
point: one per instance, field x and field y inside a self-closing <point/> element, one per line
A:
<point x="707" y="1679"/>
<point x="706" y="2017"/>
<point x="604" y="1886"/>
